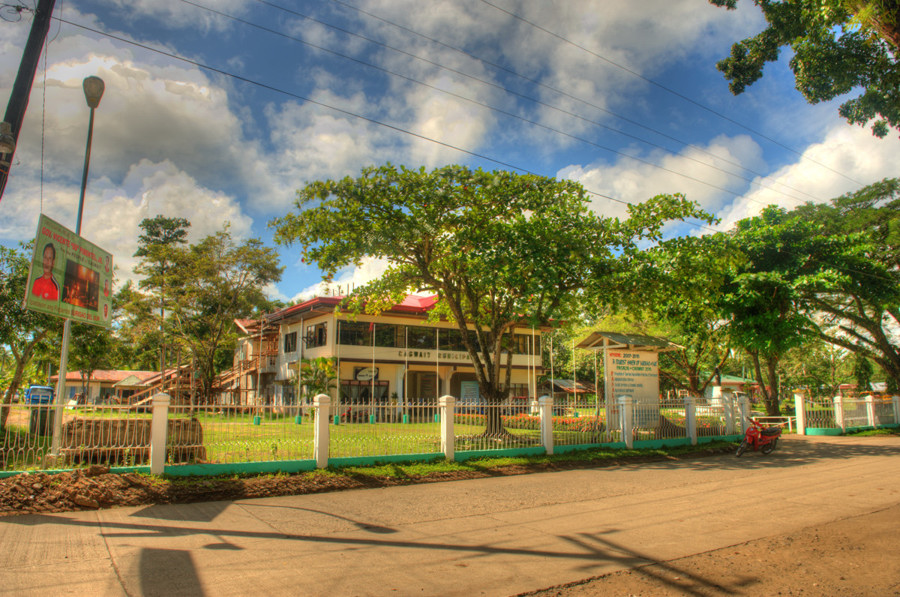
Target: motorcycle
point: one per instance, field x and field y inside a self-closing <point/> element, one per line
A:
<point x="759" y="437"/>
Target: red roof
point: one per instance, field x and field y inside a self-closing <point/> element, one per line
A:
<point x="413" y="303"/>
<point x="108" y="375"/>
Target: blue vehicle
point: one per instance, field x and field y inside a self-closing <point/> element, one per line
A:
<point x="39" y="395"/>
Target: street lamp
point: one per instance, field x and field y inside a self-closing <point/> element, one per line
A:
<point x="93" y="91"/>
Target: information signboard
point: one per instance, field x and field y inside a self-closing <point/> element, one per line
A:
<point x="69" y="277"/>
<point x="636" y="374"/>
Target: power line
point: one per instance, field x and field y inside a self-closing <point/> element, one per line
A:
<point x="371" y="120"/>
<point x="493" y="108"/>
<point x="665" y="88"/>
<point x="554" y="90"/>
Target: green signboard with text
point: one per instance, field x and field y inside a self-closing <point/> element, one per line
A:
<point x="69" y="277"/>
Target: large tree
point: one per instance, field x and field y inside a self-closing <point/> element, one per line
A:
<point x="499" y="249"/>
<point x="679" y="284"/>
<point x="21" y="330"/>
<point x="856" y="302"/>
<point x="211" y="283"/>
<point x="157" y="247"/>
<point x="838" y="46"/>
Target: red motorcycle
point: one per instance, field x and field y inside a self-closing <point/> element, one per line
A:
<point x="759" y="437"/>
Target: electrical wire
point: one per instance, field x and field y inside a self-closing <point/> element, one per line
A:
<point x="536" y="100"/>
<point x="665" y="88"/>
<point x="376" y="122"/>
<point x="505" y="112"/>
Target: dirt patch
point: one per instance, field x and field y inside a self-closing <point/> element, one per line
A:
<point x="95" y="487"/>
<point x="853" y="556"/>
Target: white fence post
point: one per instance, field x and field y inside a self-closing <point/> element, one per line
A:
<point x="744" y="404"/>
<point x="322" y="404"/>
<point x="800" y="412"/>
<point x="728" y="406"/>
<point x="690" y="418"/>
<point x="839" y="413"/>
<point x="870" y="411"/>
<point x="159" y="429"/>
<point x="546" y="406"/>
<point x="448" y="435"/>
<point x="896" y="401"/>
<point x="626" y="404"/>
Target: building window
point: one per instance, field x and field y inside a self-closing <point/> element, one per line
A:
<point x="315" y="335"/>
<point x="290" y="342"/>
<point x="355" y="333"/>
<point x="419" y="337"/>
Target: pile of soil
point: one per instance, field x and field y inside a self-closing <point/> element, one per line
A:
<point x="95" y="487"/>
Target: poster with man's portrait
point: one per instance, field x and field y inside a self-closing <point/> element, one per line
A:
<point x="70" y="277"/>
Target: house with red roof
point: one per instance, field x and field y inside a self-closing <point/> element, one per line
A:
<point x="397" y="357"/>
<point x="107" y="385"/>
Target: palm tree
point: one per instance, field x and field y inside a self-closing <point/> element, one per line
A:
<point x="318" y="376"/>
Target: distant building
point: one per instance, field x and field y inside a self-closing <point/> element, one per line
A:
<point x="107" y="386"/>
<point x="398" y="356"/>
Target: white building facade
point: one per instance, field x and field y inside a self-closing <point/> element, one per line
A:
<point x="397" y="357"/>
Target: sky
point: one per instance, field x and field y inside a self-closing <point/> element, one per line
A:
<point x="219" y="111"/>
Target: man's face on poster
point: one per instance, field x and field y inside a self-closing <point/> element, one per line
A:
<point x="49" y="257"/>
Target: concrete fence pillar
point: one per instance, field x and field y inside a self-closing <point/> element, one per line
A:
<point x="839" y="413"/>
<point x="744" y="406"/>
<point x="728" y="406"/>
<point x="545" y="404"/>
<point x="690" y="418"/>
<point x="896" y="401"/>
<point x="626" y="405"/>
<point x="800" y="412"/>
<point x="159" y="430"/>
<point x="447" y="405"/>
<point x="870" y="411"/>
<point x="322" y="404"/>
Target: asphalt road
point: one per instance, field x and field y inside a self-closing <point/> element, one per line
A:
<point x="497" y="536"/>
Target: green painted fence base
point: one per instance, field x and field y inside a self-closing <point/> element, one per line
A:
<point x="839" y="431"/>
<point x="239" y="468"/>
<point x="504" y="453"/>
<point x="406" y="418"/>
<point x="257" y="419"/>
<point x="337" y="419"/>
<point x="372" y="419"/>
<point x="375" y="460"/>
<point x="298" y="419"/>
<point x="578" y="447"/>
<point x="119" y="470"/>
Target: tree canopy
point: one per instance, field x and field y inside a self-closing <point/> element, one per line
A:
<point x="838" y="45"/>
<point x="499" y="249"/>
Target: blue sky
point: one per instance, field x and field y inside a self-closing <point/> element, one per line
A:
<point x="541" y="86"/>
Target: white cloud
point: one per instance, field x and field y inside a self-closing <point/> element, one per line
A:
<point x="847" y="159"/>
<point x="348" y="278"/>
<point x="705" y="174"/>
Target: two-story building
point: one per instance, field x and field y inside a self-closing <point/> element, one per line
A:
<point x="397" y="357"/>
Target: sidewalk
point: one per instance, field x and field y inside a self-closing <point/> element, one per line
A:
<point x="497" y="536"/>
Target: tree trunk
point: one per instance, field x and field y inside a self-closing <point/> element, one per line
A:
<point x="22" y="361"/>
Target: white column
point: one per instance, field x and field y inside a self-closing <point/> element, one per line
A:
<point x="159" y="428"/>
<point x="896" y="401"/>
<point x="800" y="412"/>
<point x="322" y="404"/>
<point x="728" y="406"/>
<point x="870" y="410"/>
<point x="690" y="418"/>
<point x="839" y="413"/>
<point x="744" y="405"/>
<point x="626" y="404"/>
<point x="545" y="404"/>
<point x="447" y="405"/>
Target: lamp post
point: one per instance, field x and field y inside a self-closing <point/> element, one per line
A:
<point x="93" y="91"/>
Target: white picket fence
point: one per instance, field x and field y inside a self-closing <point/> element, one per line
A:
<point x="843" y="413"/>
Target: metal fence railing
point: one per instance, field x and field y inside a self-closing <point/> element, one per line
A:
<point x="820" y="413"/>
<point x="90" y="434"/>
<point x="228" y="434"/>
<point x="362" y="429"/>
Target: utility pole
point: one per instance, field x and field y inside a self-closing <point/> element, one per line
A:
<point x="18" y="99"/>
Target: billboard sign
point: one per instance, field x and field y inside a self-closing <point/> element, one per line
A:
<point x="69" y="277"/>
<point x="636" y="374"/>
